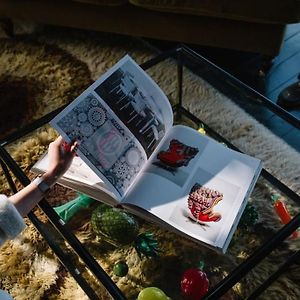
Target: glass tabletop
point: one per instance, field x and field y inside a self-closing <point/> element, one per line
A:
<point x="203" y="96"/>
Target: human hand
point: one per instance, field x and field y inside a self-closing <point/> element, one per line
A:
<point x="60" y="157"/>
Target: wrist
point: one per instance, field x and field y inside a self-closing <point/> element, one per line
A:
<point x="50" y="177"/>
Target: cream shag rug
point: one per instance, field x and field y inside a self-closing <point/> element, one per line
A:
<point x="52" y="68"/>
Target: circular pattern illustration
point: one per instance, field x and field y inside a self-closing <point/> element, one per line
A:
<point x="86" y="129"/>
<point x="133" y="157"/>
<point x="94" y="102"/>
<point x="97" y="116"/>
<point x="121" y="170"/>
<point x="68" y="121"/>
<point x="110" y="143"/>
<point x="82" y="117"/>
<point x="82" y="105"/>
<point x="110" y="178"/>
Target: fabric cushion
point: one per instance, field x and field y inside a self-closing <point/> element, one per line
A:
<point x="269" y="11"/>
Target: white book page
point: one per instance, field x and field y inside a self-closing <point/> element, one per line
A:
<point x="78" y="174"/>
<point x="118" y="121"/>
<point x="166" y="189"/>
<point x="78" y="171"/>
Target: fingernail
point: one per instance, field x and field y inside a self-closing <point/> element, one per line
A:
<point x="66" y="146"/>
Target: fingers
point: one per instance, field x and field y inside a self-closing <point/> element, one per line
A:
<point x="59" y="140"/>
<point x="74" y="146"/>
<point x="64" y="147"/>
<point x="68" y="147"/>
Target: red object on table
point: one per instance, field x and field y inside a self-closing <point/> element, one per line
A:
<point x="282" y="212"/>
<point x="194" y="284"/>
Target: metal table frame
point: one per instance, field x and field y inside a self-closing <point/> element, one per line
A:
<point x="178" y="55"/>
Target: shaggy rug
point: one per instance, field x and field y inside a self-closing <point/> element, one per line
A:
<point x="40" y="72"/>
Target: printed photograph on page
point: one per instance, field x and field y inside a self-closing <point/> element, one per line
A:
<point x="138" y="103"/>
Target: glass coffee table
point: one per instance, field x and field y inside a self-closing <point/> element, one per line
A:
<point x="189" y="70"/>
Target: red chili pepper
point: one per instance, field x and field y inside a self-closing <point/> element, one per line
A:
<point x="282" y="212"/>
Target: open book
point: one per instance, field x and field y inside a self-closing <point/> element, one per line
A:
<point x="130" y="154"/>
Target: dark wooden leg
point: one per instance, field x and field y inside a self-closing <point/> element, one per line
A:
<point x="7" y="26"/>
<point x="267" y="63"/>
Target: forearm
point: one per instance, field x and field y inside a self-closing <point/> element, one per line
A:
<point x="60" y="158"/>
<point x="27" y="198"/>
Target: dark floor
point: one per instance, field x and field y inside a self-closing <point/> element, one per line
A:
<point x="266" y="76"/>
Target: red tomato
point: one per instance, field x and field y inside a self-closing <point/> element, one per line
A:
<point x="194" y="284"/>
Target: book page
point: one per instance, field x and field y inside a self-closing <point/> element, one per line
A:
<point x="81" y="178"/>
<point x="137" y="101"/>
<point x="118" y="121"/>
<point x="196" y="185"/>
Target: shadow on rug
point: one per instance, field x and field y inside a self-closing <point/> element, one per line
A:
<point x="41" y="73"/>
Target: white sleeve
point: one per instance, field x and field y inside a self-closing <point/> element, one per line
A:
<point x="11" y="222"/>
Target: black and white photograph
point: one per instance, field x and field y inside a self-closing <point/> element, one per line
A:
<point x="127" y="95"/>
